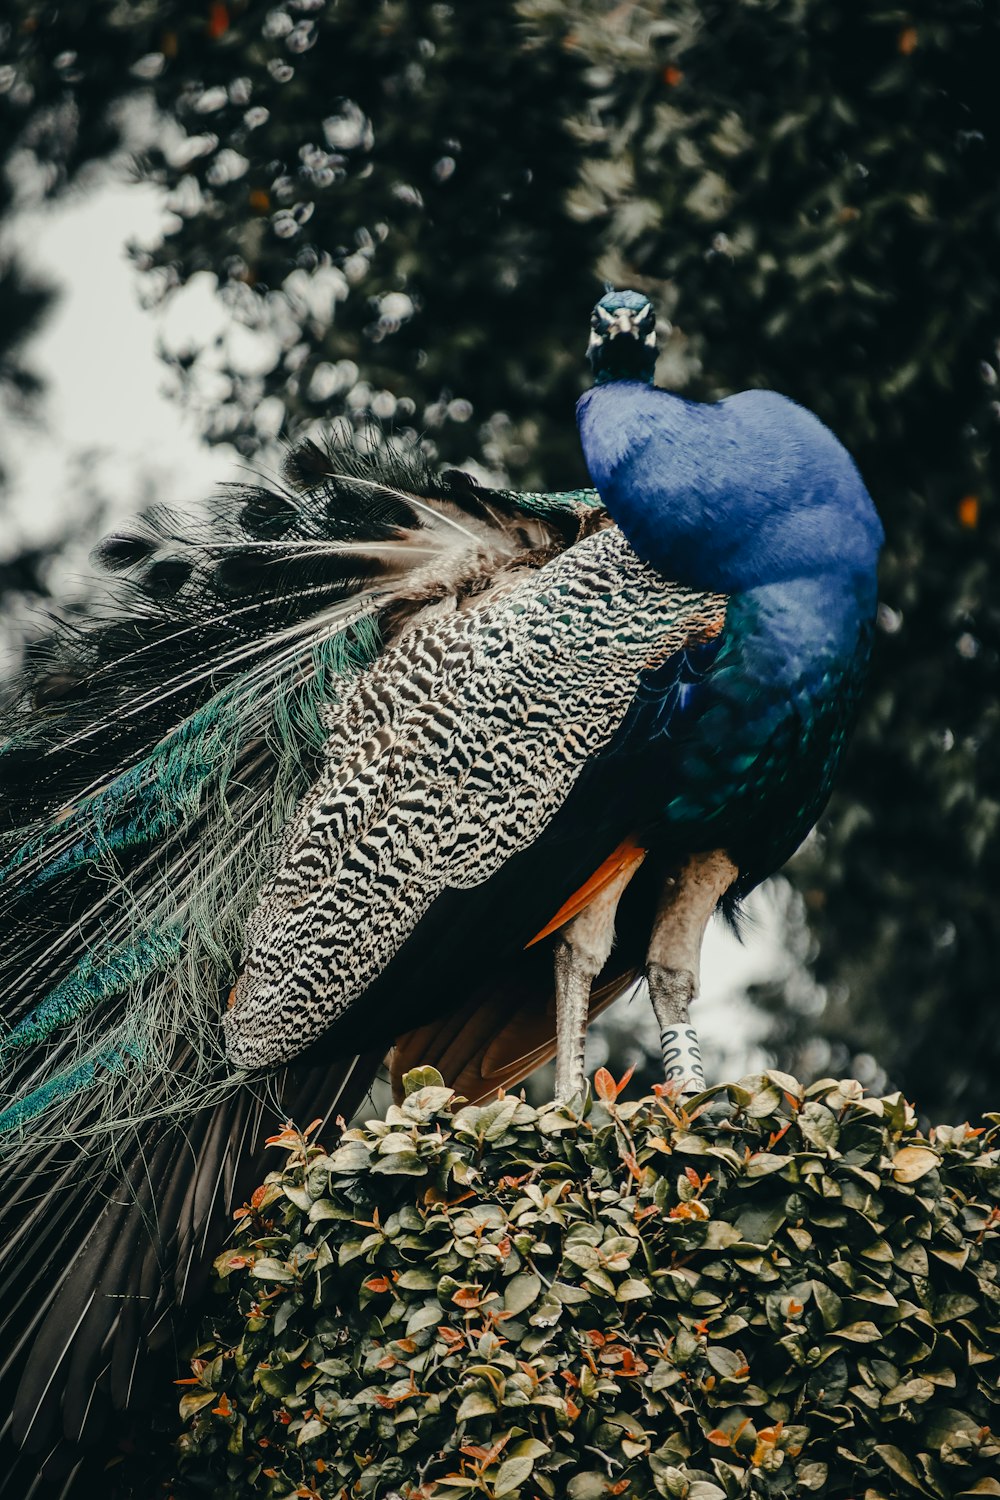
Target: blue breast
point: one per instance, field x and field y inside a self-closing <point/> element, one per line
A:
<point x="755" y="498"/>
<point x="751" y="490"/>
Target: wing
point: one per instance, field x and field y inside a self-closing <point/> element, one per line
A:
<point x="455" y="753"/>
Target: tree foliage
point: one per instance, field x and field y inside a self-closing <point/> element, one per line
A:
<point x="411" y="206"/>
<point x="781" y="1292"/>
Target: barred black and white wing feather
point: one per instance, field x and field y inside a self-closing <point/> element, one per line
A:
<point x="450" y="755"/>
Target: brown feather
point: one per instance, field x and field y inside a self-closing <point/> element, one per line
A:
<point x="484" y="1047"/>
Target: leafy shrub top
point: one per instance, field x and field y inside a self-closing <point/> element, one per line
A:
<point x="766" y="1291"/>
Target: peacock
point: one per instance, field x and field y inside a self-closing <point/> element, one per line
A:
<point x="377" y="761"/>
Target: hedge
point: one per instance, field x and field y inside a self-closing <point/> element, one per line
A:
<point x="765" y="1291"/>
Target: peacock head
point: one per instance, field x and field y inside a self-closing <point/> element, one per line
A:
<point x="623" y="338"/>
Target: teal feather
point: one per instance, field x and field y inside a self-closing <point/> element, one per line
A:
<point x="64" y="1087"/>
<point x="176" y="940"/>
<point x="95" y="978"/>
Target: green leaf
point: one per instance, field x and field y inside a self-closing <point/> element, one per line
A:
<point x="422" y="1078"/>
<point x="831" y="1306"/>
<point x="511" y="1475"/>
<point x="310" y="1431"/>
<point x="916" y="1389"/>
<point x="424" y="1103"/>
<point x="565" y="1292"/>
<point x="758" y="1223"/>
<point x="725" y="1362"/>
<point x="763" y="1163"/>
<point x="419" y="1279"/>
<point x="618" y="1251"/>
<point x="590" y="1485"/>
<point x="428" y="1316"/>
<point x="719" y="1235"/>
<point x="664" y="1375"/>
<point x="476" y="1404"/>
<point x="632" y="1290"/>
<point x="323" y="1209"/>
<point x="862" y="1332"/>
<point x="548" y="1312"/>
<point x="495" y="1119"/>
<point x="896" y="1460"/>
<point x="948" y="1428"/>
<point x="739" y="1097"/>
<point x="951" y="1305"/>
<point x="912" y="1260"/>
<point x="351" y="1157"/>
<point x="951" y="1257"/>
<point x="818" y="1126"/>
<point x="267" y="1269"/>
<point x="529" y="1448"/>
<point x="584" y="1256"/>
<point x="350" y="1250"/>
<point x="401" y="1164"/>
<point x="764" y="1102"/>
<point x="395" y="1142"/>
<point x="194" y="1402"/>
<point x="521" y="1292"/>
<point x="298" y="1196"/>
<point x="601" y="1280"/>
<point x="276" y="1382"/>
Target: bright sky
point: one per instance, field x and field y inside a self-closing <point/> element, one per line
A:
<point x="106" y="384"/>
<point x="107" y="393"/>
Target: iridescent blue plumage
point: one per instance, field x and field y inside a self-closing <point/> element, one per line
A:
<point x="755" y="498"/>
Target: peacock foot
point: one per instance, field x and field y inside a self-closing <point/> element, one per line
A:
<point x="671" y="991"/>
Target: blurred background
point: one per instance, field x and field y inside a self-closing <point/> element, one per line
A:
<point x="224" y="223"/>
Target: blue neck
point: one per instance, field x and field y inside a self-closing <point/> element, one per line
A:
<point x="605" y="377"/>
<point x="726" y="497"/>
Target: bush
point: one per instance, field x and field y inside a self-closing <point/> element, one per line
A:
<point x="769" y="1291"/>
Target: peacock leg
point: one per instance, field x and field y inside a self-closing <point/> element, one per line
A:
<point x="582" y="950"/>
<point x="673" y="963"/>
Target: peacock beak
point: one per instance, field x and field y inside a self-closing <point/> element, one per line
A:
<point x="622" y="342"/>
<point x="624" y="323"/>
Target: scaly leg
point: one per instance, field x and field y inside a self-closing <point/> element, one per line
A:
<point x="582" y="950"/>
<point x="673" y="963"/>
